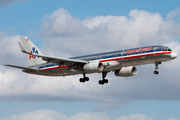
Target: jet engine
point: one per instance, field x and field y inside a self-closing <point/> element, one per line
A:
<point x="93" y="67"/>
<point x="126" y="71"/>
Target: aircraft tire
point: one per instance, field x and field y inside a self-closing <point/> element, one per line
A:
<point x="101" y="82"/>
<point x="86" y="78"/>
<point x="156" y="72"/>
<point x="105" y="81"/>
<point x="81" y="80"/>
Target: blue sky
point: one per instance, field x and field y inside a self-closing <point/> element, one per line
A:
<point x="76" y="27"/>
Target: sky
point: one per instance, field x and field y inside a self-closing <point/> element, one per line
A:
<point x="75" y="27"/>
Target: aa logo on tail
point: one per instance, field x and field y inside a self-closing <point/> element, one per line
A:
<point x="34" y="51"/>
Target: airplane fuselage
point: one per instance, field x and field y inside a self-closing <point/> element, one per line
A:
<point x="112" y="61"/>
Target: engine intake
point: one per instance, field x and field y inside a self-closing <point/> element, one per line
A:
<point x="126" y="71"/>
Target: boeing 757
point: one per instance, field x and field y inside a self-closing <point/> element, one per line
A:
<point x="121" y="62"/>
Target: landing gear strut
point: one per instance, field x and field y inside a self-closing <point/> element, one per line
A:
<point x="156" y="67"/>
<point x="101" y="82"/>
<point x="84" y="79"/>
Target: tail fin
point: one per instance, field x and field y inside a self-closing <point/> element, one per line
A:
<point x="30" y="47"/>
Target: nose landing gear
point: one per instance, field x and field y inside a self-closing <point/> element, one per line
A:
<point x="156" y="67"/>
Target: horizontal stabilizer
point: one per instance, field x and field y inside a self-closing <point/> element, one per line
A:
<point x="20" y="67"/>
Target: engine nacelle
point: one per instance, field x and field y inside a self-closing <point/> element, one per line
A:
<point x="126" y="71"/>
<point x="93" y="67"/>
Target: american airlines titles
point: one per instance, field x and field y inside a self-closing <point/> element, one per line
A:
<point x="139" y="50"/>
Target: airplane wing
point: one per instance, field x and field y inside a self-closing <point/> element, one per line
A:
<point x="56" y="60"/>
<point x="20" y="67"/>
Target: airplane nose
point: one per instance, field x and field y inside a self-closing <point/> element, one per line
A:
<point x="173" y="55"/>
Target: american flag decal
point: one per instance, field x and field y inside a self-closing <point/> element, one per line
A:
<point x="27" y="40"/>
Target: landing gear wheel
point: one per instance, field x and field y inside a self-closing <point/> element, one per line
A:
<point x="86" y="78"/>
<point x="105" y="80"/>
<point x="81" y="80"/>
<point x="101" y="82"/>
<point x="156" y="72"/>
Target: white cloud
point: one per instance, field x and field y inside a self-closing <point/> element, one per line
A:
<point x="60" y="23"/>
<point x="172" y="119"/>
<point x="10" y="51"/>
<point x="55" y="115"/>
<point x="134" y="117"/>
<point x="173" y="13"/>
<point x="71" y="36"/>
<point x="38" y="115"/>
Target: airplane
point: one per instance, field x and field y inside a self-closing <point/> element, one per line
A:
<point x="121" y="62"/>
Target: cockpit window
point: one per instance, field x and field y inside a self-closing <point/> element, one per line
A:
<point x="169" y="50"/>
<point x="166" y="50"/>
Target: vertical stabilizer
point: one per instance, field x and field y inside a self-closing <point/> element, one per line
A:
<point x="30" y="47"/>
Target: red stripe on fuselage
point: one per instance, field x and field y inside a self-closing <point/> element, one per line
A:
<point x="129" y="57"/>
<point x="54" y="68"/>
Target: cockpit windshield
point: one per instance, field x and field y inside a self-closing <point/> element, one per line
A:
<point x="166" y="49"/>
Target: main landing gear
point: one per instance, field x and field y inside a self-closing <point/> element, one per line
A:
<point x="84" y="79"/>
<point x="101" y="82"/>
<point x="156" y="67"/>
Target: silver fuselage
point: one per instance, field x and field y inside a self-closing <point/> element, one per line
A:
<point x="114" y="60"/>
